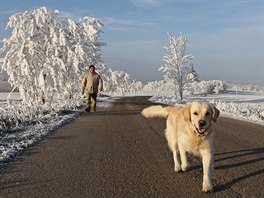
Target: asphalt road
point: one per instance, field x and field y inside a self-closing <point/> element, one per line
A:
<point x="115" y="152"/>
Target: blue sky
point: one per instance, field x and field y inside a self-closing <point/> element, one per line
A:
<point x="225" y="37"/>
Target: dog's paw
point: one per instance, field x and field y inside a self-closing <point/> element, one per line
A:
<point x="207" y="188"/>
<point x="184" y="167"/>
<point x="177" y="169"/>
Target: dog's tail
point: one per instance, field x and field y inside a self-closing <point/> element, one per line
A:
<point x="156" y="111"/>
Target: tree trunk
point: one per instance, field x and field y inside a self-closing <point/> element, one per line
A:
<point x="181" y="88"/>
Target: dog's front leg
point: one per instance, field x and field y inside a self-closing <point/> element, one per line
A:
<point x="177" y="166"/>
<point x="184" y="162"/>
<point x="208" y="163"/>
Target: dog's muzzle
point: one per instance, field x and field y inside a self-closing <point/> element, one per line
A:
<point x="202" y="127"/>
<point x="200" y="130"/>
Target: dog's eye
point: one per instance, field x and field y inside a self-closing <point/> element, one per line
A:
<point x="195" y="113"/>
<point x="207" y="113"/>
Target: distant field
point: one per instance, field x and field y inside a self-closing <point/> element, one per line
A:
<point x="5" y="86"/>
<point x="13" y="96"/>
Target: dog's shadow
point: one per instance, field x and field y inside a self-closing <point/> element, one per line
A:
<point x="221" y="157"/>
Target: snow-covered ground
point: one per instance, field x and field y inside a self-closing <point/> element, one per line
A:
<point x="12" y="96"/>
<point x="20" y="126"/>
<point x="244" y="105"/>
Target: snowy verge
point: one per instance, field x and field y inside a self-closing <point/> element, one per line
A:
<point x="19" y="138"/>
<point x="247" y="112"/>
<point x="22" y="126"/>
<point x="243" y="105"/>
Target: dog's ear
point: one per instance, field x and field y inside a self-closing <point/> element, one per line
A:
<point x="215" y="111"/>
<point x="187" y="113"/>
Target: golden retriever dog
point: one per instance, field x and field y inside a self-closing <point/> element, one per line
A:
<point x="189" y="129"/>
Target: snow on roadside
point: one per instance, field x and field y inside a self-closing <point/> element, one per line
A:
<point x="244" y="105"/>
<point x="22" y="126"/>
<point x="246" y="111"/>
<point x="18" y="139"/>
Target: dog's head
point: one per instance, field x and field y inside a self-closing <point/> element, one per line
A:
<point x="201" y="115"/>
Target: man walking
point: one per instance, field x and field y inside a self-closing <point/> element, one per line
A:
<point x="91" y="83"/>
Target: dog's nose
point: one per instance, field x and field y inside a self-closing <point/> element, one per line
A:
<point x="202" y="123"/>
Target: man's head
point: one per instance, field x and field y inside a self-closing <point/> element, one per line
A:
<point x="92" y="68"/>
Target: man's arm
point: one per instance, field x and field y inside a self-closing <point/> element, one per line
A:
<point x="83" y="85"/>
<point x="100" y="84"/>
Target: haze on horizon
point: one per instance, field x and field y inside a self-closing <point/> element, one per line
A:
<point x="225" y="37"/>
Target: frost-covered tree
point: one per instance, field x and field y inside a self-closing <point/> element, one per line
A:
<point x="177" y="62"/>
<point x="136" y="86"/>
<point x="120" y="82"/>
<point x="155" y="88"/>
<point x="207" y="87"/>
<point x="47" y="55"/>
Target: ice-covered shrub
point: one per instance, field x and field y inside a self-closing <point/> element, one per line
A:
<point x="247" y="86"/>
<point x="207" y="87"/>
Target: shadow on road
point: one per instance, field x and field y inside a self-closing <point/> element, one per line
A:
<point x="10" y="166"/>
<point x="23" y="184"/>
<point x="228" y="185"/>
<point x="242" y="153"/>
<point x="238" y="163"/>
<point x="250" y="151"/>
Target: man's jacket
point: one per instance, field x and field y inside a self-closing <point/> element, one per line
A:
<point x="92" y="83"/>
